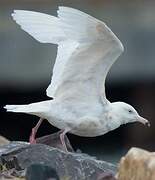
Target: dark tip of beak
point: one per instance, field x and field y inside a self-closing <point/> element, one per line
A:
<point x="148" y="124"/>
<point x="144" y="121"/>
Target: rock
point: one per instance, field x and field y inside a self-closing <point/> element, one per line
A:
<point x="70" y="166"/>
<point x="54" y="141"/>
<point x="138" y="164"/>
<point x="11" y="174"/>
<point x="3" y="141"/>
<point x="41" y="172"/>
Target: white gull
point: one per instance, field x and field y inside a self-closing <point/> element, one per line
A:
<point x="87" y="48"/>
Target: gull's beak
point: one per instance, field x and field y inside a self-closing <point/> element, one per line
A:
<point x="143" y="121"/>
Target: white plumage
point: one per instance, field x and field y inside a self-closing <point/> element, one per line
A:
<point x="86" y="50"/>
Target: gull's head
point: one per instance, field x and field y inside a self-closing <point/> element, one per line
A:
<point x="126" y="113"/>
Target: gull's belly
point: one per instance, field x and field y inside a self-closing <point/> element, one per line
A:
<point x="86" y="126"/>
<point x="84" y="121"/>
<point x="90" y="128"/>
<point x="88" y="131"/>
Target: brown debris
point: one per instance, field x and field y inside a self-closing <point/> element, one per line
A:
<point x="3" y="141"/>
<point x="138" y="164"/>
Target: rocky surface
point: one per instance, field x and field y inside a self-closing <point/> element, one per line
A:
<point x="70" y="166"/>
<point x="41" y="172"/>
<point x="21" y="160"/>
<point x="138" y="164"/>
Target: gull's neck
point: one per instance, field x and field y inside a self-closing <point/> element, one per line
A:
<point x="115" y="113"/>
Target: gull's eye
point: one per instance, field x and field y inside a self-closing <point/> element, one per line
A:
<point x="130" y="111"/>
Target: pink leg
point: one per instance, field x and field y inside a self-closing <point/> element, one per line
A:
<point x="32" y="139"/>
<point x="62" y="138"/>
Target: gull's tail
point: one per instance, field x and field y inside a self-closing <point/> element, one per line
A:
<point x="39" y="109"/>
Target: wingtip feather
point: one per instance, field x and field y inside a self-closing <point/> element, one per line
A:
<point x="9" y="108"/>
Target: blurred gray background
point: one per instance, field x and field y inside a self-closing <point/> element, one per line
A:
<point x="26" y="69"/>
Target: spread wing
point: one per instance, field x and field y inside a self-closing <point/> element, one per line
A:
<point x="40" y="26"/>
<point x="86" y="50"/>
